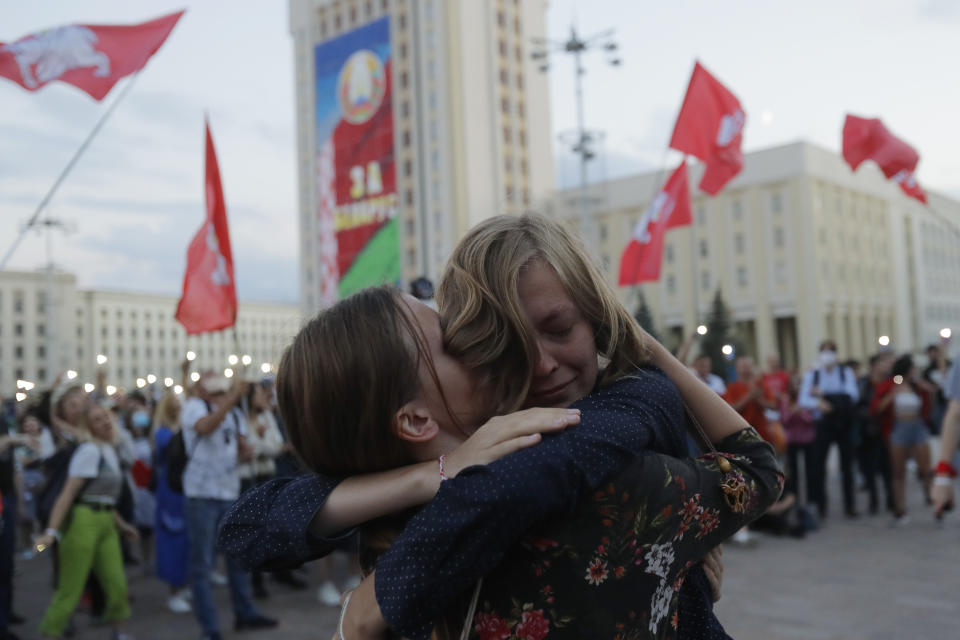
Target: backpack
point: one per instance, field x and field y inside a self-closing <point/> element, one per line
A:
<point x="56" y="470"/>
<point x="840" y="401"/>
<point x="177" y="458"/>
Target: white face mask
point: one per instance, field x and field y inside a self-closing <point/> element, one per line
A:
<point x="828" y="358"/>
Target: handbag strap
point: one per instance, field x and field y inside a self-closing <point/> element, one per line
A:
<point x="471" y="611"/>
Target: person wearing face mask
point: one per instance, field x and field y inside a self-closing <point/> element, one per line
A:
<point x="830" y="392"/>
<point x="144" y="501"/>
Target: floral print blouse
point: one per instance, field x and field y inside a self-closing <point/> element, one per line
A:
<point x="613" y="569"/>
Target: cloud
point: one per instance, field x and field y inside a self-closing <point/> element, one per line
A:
<point x="938" y="10"/>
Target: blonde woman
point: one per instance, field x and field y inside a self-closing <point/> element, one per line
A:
<point x="85" y="523"/>
<point x="170" y="527"/>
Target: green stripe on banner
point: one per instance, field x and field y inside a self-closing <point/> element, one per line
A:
<point x="378" y="262"/>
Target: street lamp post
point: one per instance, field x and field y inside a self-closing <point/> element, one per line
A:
<point x="582" y="139"/>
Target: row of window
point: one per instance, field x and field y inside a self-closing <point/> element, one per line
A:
<point x="706" y="280"/>
<point x="353" y="16"/>
<point x="19" y="301"/>
<point x="18" y="352"/>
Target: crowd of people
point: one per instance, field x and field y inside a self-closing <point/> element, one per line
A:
<point x="100" y="483"/>
<point x="87" y="476"/>
<point x="421" y="437"/>
<point x="880" y="417"/>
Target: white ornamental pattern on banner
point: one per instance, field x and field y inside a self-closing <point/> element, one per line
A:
<point x="328" y="274"/>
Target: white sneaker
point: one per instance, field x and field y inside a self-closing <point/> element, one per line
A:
<point x="328" y="594"/>
<point x="178" y="604"/>
<point x="900" y="521"/>
<point x="186" y="593"/>
<point x="218" y="578"/>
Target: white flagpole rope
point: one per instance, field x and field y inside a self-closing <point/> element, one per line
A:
<point x="66" y="171"/>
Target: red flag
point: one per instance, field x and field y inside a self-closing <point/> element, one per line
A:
<point x="710" y="127"/>
<point x="90" y="57"/>
<point x="670" y="208"/>
<point x="908" y="184"/>
<point x="209" y="301"/>
<point x="869" y="139"/>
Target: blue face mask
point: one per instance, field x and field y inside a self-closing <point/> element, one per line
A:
<point x="140" y="420"/>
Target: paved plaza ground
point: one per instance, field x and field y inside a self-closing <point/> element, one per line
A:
<point x="852" y="580"/>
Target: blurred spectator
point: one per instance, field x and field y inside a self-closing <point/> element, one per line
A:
<point x="749" y="397"/>
<point x="171" y="527"/>
<point x="830" y="392"/>
<point x="935" y="375"/>
<point x="9" y="440"/>
<point x="873" y="454"/>
<point x="85" y="523"/>
<point x="903" y="404"/>
<point x="946" y="472"/>
<point x="701" y="367"/>
<point x="266" y="444"/>
<point x="144" y="501"/>
<point x="28" y="460"/>
<point x="214" y="437"/>
<point x="801" y="435"/>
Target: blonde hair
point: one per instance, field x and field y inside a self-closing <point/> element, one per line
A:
<point x="167" y="413"/>
<point x="482" y="315"/>
<point x="83" y="432"/>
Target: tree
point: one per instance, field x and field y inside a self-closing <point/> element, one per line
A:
<point x="643" y="316"/>
<point x="718" y="334"/>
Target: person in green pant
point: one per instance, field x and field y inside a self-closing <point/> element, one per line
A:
<point x="85" y="525"/>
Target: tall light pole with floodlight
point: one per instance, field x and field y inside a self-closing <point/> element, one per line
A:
<point x="581" y="141"/>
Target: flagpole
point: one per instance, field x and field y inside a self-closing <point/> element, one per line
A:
<point x="653" y="194"/>
<point x="696" y="270"/>
<point x="66" y="171"/>
<point x="242" y="369"/>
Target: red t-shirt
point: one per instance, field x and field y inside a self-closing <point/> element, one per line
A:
<point x="752" y="412"/>
<point x="775" y="384"/>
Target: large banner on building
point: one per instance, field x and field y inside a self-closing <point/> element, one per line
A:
<point x="356" y="175"/>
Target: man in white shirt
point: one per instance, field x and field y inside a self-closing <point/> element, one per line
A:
<point x="830" y="392"/>
<point x="213" y="436"/>
<point x="701" y="367"/>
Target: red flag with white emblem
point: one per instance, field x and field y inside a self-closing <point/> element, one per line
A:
<point x="90" y="57"/>
<point x="869" y="139"/>
<point x="209" y="301"/>
<point x="908" y="184"/>
<point x="710" y="127"/>
<point x="670" y="208"/>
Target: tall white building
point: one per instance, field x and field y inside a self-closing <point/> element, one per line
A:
<point x="472" y="135"/>
<point x="802" y="249"/>
<point x="136" y="332"/>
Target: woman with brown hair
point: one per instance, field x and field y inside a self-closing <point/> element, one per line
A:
<point x="902" y="403"/>
<point x="529" y="315"/>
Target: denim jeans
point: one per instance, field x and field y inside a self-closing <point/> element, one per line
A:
<point x="203" y="516"/>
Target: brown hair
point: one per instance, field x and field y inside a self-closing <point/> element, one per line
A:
<point x="482" y="316"/>
<point x="343" y="378"/>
